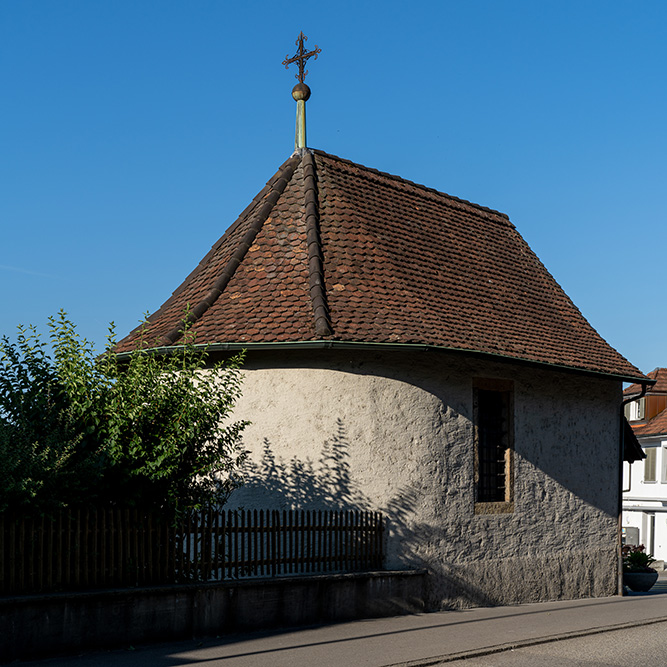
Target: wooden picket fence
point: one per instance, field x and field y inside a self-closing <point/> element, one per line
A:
<point x="126" y="548"/>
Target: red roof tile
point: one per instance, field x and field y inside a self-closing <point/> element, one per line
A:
<point x="660" y="386"/>
<point x="375" y="258"/>
<point x="656" y="426"/>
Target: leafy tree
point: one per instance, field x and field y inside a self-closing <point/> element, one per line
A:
<point x="149" y="430"/>
<point x="169" y="435"/>
<point x="49" y="453"/>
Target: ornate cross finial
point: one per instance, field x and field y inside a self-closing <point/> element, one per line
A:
<point x="301" y="57"/>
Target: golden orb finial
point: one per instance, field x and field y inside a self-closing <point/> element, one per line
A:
<point x="301" y="92"/>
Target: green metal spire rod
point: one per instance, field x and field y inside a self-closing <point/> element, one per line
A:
<point x="300" y="92"/>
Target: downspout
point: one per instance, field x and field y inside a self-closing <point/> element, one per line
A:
<point x="619" y="538"/>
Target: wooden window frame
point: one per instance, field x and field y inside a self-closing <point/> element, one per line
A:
<point x="506" y="387"/>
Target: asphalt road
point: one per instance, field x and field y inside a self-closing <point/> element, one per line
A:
<point x="633" y="647"/>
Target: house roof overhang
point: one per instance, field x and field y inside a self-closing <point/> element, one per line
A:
<point x="632" y="450"/>
<point x="312" y="345"/>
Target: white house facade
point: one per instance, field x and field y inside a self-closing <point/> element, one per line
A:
<point x="645" y="482"/>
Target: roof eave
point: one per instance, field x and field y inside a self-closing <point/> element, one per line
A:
<point x="648" y="382"/>
<point x="415" y="347"/>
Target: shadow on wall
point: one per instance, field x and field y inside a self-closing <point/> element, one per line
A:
<point x="328" y="484"/>
<point x="303" y="483"/>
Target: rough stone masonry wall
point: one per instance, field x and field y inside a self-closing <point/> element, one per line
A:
<point x="392" y="431"/>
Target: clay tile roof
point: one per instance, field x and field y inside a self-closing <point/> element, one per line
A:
<point x="654" y="427"/>
<point x="659" y="375"/>
<point x="331" y="250"/>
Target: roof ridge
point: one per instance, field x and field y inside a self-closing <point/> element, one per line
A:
<point x="270" y="193"/>
<point x="420" y="186"/>
<point x="314" y="247"/>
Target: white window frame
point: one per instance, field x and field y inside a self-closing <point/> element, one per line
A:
<point x="636" y="410"/>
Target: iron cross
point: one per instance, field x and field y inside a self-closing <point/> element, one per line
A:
<point x="301" y="57"/>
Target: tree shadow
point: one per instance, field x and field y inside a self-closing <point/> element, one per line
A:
<point x="328" y="483"/>
<point x="303" y="483"/>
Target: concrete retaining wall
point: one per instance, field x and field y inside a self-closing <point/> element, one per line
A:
<point x="39" y="626"/>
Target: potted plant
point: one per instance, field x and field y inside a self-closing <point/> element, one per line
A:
<point x="638" y="575"/>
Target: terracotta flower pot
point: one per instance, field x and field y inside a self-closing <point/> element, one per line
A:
<point x="639" y="582"/>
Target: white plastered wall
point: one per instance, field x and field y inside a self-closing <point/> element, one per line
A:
<point x="392" y="431"/>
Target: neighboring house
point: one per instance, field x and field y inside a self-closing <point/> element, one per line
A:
<point x="645" y="483"/>
<point x="407" y="351"/>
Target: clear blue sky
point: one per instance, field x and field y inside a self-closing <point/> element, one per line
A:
<point x="133" y="132"/>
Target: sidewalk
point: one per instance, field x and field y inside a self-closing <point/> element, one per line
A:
<point x="420" y="640"/>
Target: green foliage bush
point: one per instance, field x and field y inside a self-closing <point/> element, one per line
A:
<point x="80" y="429"/>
